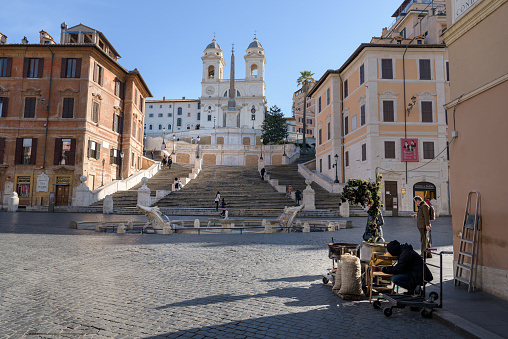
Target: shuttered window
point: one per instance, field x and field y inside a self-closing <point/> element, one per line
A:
<point x="428" y="150"/>
<point x="329" y="131"/>
<point x="2" y="150"/>
<point x="68" y="108"/>
<point x="388" y="114"/>
<point x="33" y="67"/>
<point x="364" y="152"/>
<point x="116" y="123"/>
<point x="347" y="158"/>
<point x="346" y="88"/>
<point x="328" y="96"/>
<point x="427" y="111"/>
<point x="65" y="151"/>
<point x="5" y="67"/>
<point x="98" y="74"/>
<point x="362" y="74"/>
<point x="320" y="137"/>
<point x="386" y="69"/>
<point x="389" y="149"/>
<point x="425" y="73"/>
<point x="4" y="104"/>
<point x="346" y="125"/>
<point x="71" y="68"/>
<point x="94" y="149"/>
<point x="26" y="151"/>
<point x="95" y="112"/>
<point x="362" y="115"/>
<point x="30" y="107"/>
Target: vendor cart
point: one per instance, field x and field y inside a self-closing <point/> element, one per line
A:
<point x="335" y="251"/>
<point x="417" y="302"/>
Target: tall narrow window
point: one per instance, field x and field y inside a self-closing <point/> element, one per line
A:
<point x="329" y="162"/>
<point x="386" y="69"/>
<point x="347" y="158"/>
<point x="179" y="111"/>
<point x="68" y="108"/>
<point x="65" y="150"/>
<point x="328" y="97"/>
<point x="95" y="112"/>
<point x="362" y="74"/>
<point x="389" y="149"/>
<point x="117" y="123"/>
<point x="2" y="150"/>
<point x="30" y="107"/>
<point x="362" y="115"/>
<point x="447" y="66"/>
<point x="346" y="88"/>
<point x="98" y="74"/>
<point x="427" y="111"/>
<point x="33" y="67"/>
<point x="71" y="68"/>
<point x="329" y="131"/>
<point x="320" y="165"/>
<point x="354" y="122"/>
<point x="25" y="151"/>
<point x="428" y="150"/>
<point x="94" y="149"/>
<point x="5" y="67"/>
<point x="364" y="152"/>
<point x="319" y="104"/>
<point x="4" y="104"/>
<point x="425" y="73"/>
<point x="320" y="136"/>
<point x="179" y="122"/>
<point x="388" y="114"/>
<point x="346" y="125"/>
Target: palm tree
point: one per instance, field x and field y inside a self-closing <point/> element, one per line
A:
<point x="305" y="80"/>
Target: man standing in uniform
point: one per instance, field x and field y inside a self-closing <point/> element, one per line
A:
<point x="423" y="224"/>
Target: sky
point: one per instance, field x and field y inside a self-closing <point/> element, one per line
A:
<point x="165" y="40"/>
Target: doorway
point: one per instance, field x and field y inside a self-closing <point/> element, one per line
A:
<point x="62" y="195"/>
<point x="390" y="194"/>
<point x="425" y="190"/>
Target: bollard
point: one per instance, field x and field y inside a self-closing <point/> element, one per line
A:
<point x="98" y="227"/>
<point x="197" y="223"/>
<point x="13" y="202"/>
<point x="166" y="229"/>
<point x="306" y="227"/>
<point x="120" y="228"/>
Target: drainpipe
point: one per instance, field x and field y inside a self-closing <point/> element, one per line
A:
<point x="47" y="109"/>
<point x="341" y="115"/>
<point x="121" y="128"/>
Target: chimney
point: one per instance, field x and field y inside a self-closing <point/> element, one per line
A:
<point x="183" y="98"/>
<point x="63" y="28"/>
<point x="3" y="38"/>
<point x="24" y="40"/>
<point x="384" y="32"/>
<point x="163" y="98"/>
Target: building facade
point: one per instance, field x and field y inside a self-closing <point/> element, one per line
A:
<point x="68" y="109"/>
<point x="382" y="113"/>
<point x="477" y="40"/>
<point x="171" y="116"/>
<point x="310" y="110"/>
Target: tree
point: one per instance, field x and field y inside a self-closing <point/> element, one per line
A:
<point x="365" y="193"/>
<point x="305" y="80"/>
<point x="305" y="76"/>
<point x="274" y="127"/>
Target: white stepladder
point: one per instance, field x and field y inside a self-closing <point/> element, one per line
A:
<point x="465" y="271"/>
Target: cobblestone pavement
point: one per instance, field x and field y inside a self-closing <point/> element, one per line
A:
<point x="62" y="283"/>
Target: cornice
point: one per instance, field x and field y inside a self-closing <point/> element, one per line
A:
<point x="477" y="91"/>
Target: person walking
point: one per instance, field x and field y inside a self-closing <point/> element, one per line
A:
<point x="423" y="224"/>
<point x="164" y="161"/>
<point x="170" y="162"/>
<point x="223" y="204"/>
<point x="175" y="182"/>
<point x="298" y="197"/>
<point x="217" y="200"/>
<point x="263" y="173"/>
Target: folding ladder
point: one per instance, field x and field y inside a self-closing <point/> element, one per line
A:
<point x="465" y="271"/>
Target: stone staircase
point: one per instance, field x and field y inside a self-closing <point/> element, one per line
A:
<point x="160" y="181"/>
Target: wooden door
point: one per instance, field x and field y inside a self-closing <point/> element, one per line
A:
<point x="390" y="193"/>
<point x="62" y="195"/>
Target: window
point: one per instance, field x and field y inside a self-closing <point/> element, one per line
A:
<point x="447" y="67"/>
<point x="320" y="137"/>
<point x="179" y="122"/>
<point x="94" y="149"/>
<point x="209" y="117"/>
<point x="68" y="108"/>
<point x="309" y="132"/>
<point x="188" y="115"/>
<point x="5" y="67"/>
<point x="399" y="42"/>
<point x="403" y="32"/>
<point x="428" y="150"/>
<point x="389" y="149"/>
<point x="329" y="131"/>
<point x="329" y="161"/>
<point x="425" y="73"/>
<point x="347" y="158"/>
<point x="134" y="129"/>
<point x="354" y="122"/>
<point x="320" y="165"/>
<point x="95" y="112"/>
<point x="179" y="111"/>
<point x="160" y="106"/>
<point x="98" y="74"/>
<point x="169" y="127"/>
<point x="26" y="151"/>
<point x="32" y="67"/>
<point x="419" y="41"/>
<point x="150" y="106"/>
<point x="30" y="107"/>
<point x="71" y="68"/>
<point x="346" y="125"/>
<point x="135" y="96"/>
<point x="328" y="97"/>
<point x="114" y="157"/>
<point x="160" y="127"/>
<point x="150" y="127"/>
<point x="388" y="115"/>
<point x="188" y="105"/>
<point x="4" y="103"/>
<point x="141" y="103"/>
<point x="150" y="115"/>
<point x="426" y="111"/>
<point x="170" y="115"/>
<point x="300" y="119"/>
<point x="362" y="74"/>
<point x="65" y="150"/>
<point x="319" y="104"/>
<point x="160" y="115"/>
<point x="199" y="116"/>
<point x="386" y="69"/>
<point x="309" y="121"/>
<point x="132" y="159"/>
<point x="2" y="150"/>
<point x="364" y="152"/>
<point x="362" y="115"/>
<point x="117" y="122"/>
<point x="169" y="106"/>
<point x="199" y="105"/>
<point x="346" y="88"/>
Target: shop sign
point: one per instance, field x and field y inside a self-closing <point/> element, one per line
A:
<point x="424" y="186"/>
<point x="409" y="149"/>
<point x="42" y="183"/>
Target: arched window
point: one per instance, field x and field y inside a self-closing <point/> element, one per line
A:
<point x="179" y="122"/>
<point x="238" y="94"/>
<point x="211" y="72"/>
<point x="169" y="127"/>
<point x="160" y="127"/>
<point x="179" y="111"/>
<point x="254" y="70"/>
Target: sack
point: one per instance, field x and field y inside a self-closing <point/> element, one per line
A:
<point x="432" y="213"/>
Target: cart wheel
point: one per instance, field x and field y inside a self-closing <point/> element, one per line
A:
<point x="414" y="308"/>
<point x="387" y="311"/>
<point x="376" y="304"/>
<point x="433" y="296"/>
<point x="325" y="280"/>
<point x="426" y="313"/>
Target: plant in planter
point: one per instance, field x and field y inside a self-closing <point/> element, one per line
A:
<point x="365" y="193"/>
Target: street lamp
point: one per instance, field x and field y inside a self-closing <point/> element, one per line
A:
<point x="261" y="157"/>
<point x="121" y="164"/>
<point x="173" y="144"/>
<point x="197" y="156"/>
<point x="284" y="147"/>
<point x="253" y="111"/>
<point x="103" y="162"/>
<point x="336" y="169"/>
<point x="163" y="147"/>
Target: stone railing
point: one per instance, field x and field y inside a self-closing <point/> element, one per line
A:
<point x="320" y="179"/>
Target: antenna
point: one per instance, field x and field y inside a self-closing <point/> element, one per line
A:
<point x="233" y="48"/>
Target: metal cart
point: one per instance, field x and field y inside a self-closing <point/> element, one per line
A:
<point x="417" y="302"/>
<point x="335" y="251"/>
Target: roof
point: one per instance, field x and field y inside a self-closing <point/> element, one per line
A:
<point x="171" y="100"/>
<point x="135" y="72"/>
<point x="255" y="44"/>
<point x="358" y="51"/>
<point x="401" y="8"/>
<point x="101" y="35"/>
<point x="213" y="44"/>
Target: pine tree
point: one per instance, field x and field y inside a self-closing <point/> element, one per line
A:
<point x="274" y="127"/>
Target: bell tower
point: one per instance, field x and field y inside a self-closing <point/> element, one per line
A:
<point x="255" y="61"/>
<point x="213" y="63"/>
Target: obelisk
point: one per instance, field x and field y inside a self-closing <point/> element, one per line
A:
<point x="232" y="111"/>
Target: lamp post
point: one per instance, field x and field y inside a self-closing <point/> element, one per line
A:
<point x="336" y="168"/>
<point x="253" y="117"/>
<point x="284" y="147"/>
<point x="121" y="164"/>
<point x="173" y="144"/>
<point x="163" y="146"/>
<point x="261" y="157"/>
<point x="103" y="162"/>
<point x="197" y="156"/>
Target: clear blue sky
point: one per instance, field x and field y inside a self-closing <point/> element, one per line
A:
<point x="165" y="40"/>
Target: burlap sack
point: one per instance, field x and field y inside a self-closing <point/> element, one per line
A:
<point x="338" y="279"/>
<point x="351" y="278"/>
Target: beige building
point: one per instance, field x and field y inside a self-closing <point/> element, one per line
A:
<point x="382" y="111"/>
<point x="477" y="39"/>
<point x="310" y="116"/>
<point x="67" y="109"/>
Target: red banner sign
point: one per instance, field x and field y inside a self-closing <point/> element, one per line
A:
<point x="409" y="149"/>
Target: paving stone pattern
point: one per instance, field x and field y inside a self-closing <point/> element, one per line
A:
<point x="59" y="282"/>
